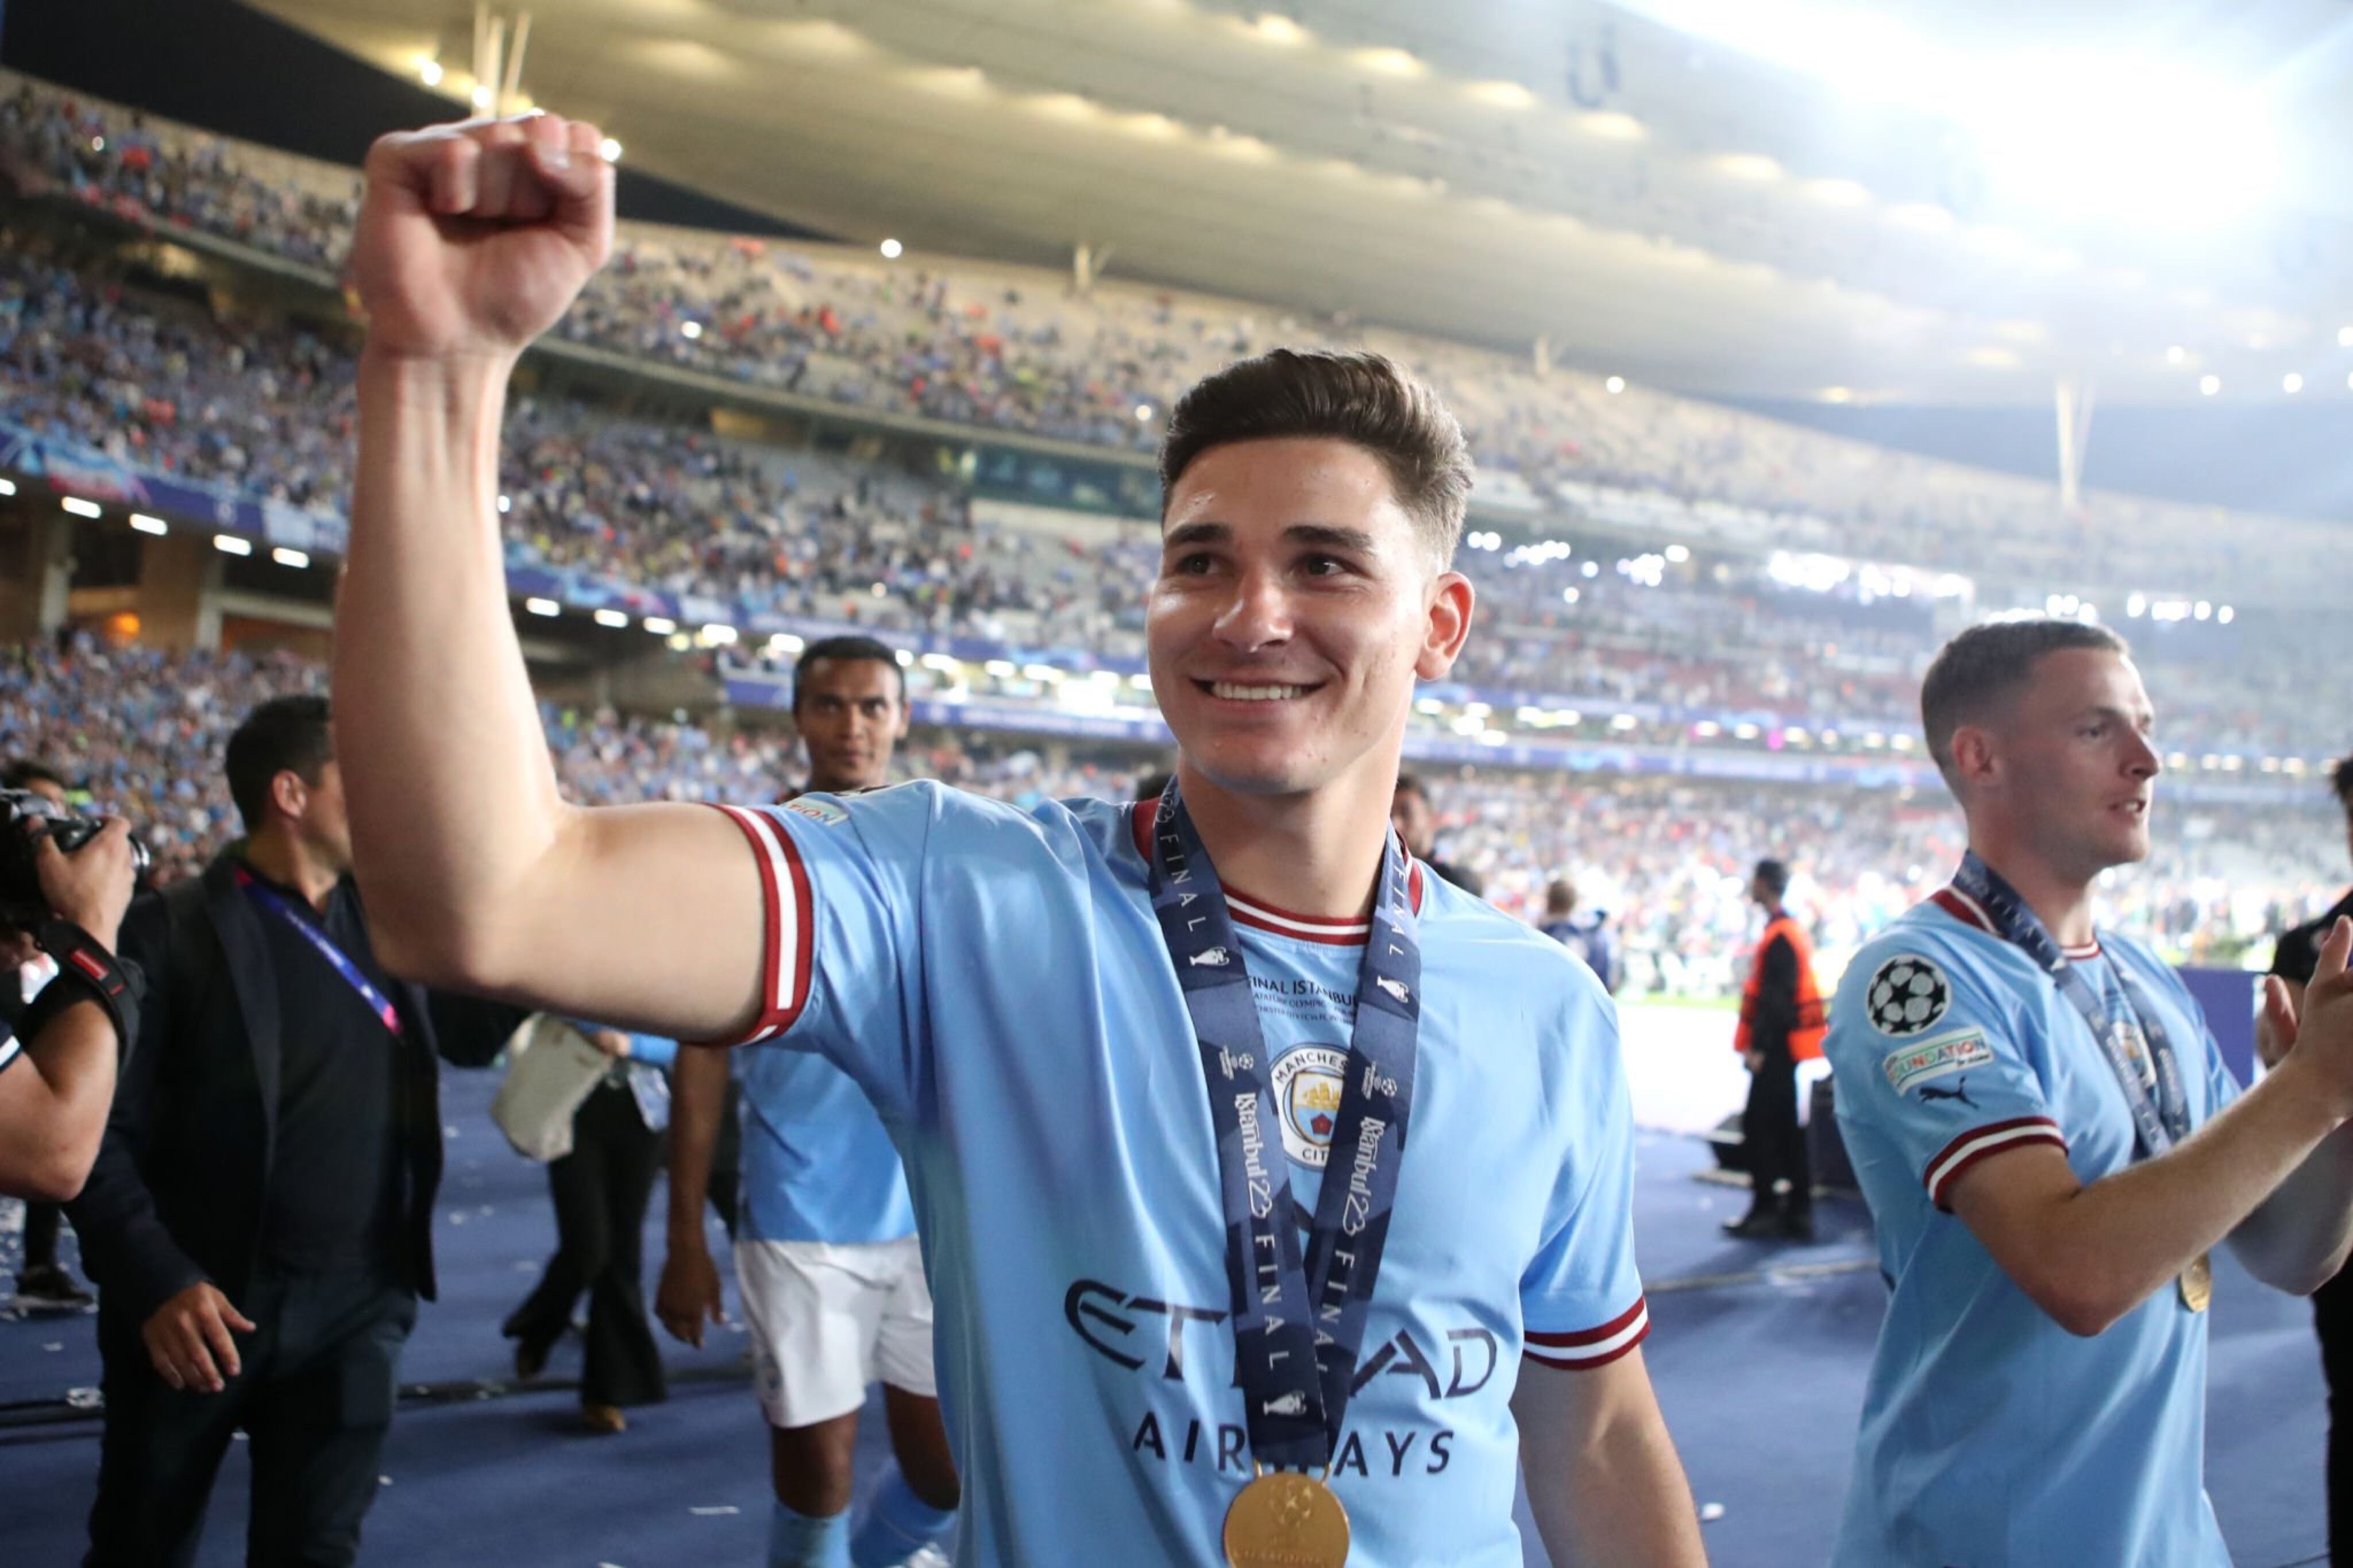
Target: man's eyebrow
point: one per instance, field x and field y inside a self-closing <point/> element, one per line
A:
<point x="1329" y="535"/>
<point x="2128" y="715"/>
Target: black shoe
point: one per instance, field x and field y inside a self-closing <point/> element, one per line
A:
<point x="531" y="1359"/>
<point x="48" y="1286"/>
<point x="1798" y="1224"/>
<point x="1755" y="1226"/>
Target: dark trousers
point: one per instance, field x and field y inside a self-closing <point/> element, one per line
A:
<point x="2332" y="1315"/>
<point x="601" y="1190"/>
<point x="727" y="1159"/>
<point x="41" y="1233"/>
<point x="1774" y="1143"/>
<point x="314" y="1397"/>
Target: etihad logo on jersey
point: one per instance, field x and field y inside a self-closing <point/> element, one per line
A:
<point x="819" y="809"/>
<point x="1136" y="1331"/>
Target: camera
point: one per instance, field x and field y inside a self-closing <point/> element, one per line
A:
<point x="22" y="905"/>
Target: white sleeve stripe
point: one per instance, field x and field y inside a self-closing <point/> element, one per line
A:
<point x="10" y="1048"/>
<point x="784" y="906"/>
<point x="1599" y="1351"/>
<point x="1969" y="1147"/>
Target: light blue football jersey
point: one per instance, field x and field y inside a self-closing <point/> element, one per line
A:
<point x="1990" y="1435"/>
<point x="995" y="981"/>
<point x="818" y="1163"/>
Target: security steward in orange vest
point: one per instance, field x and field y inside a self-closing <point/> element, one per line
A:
<point x="1781" y="1023"/>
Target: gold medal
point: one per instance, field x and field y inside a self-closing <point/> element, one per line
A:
<point x="2197" y="1283"/>
<point x="1285" y="1519"/>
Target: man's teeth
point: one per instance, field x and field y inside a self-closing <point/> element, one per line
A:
<point x="1233" y="694"/>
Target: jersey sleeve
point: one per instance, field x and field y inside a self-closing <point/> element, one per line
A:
<point x="9" y="1048"/>
<point x="1923" y="1053"/>
<point x="1581" y="1295"/>
<point x="840" y="878"/>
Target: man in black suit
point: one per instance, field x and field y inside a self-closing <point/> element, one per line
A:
<point x="259" y="1219"/>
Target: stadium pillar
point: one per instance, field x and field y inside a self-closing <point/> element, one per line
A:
<point x="2072" y="402"/>
<point x="51" y="571"/>
<point x="180" y="593"/>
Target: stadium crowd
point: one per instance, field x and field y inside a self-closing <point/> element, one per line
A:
<point x="267" y="406"/>
<point x="1666" y="860"/>
<point x="1020" y="351"/>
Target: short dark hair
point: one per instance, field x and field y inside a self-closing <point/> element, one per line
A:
<point x="25" y="772"/>
<point x="285" y="734"/>
<point x="1773" y="877"/>
<point x="1986" y="666"/>
<point x="1561" y="895"/>
<point x="2341" y="779"/>
<point x="1362" y="398"/>
<point x="1408" y="783"/>
<point x="850" y="648"/>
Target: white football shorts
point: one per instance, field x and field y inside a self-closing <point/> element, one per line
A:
<point x="827" y="1320"/>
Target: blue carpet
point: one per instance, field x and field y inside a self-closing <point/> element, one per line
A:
<point x="1758" y="1354"/>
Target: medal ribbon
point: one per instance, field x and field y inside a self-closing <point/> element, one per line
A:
<point x="271" y="898"/>
<point x="1299" y="1327"/>
<point x="2159" y="1123"/>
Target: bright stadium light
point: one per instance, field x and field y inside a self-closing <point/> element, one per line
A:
<point x="614" y="618"/>
<point x="610" y="150"/>
<point x="145" y="524"/>
<point x="285" y="556"/>
<point x="660" y="626"/>
<point x="8" y="486"/>
<point x="505" y="504"/>
<point x="231" y="544"/>
<point x="2345" y="337"/>
<point x="689" y="331"/>
<point x="543" y="606"/>
<point x="2291" y="384"/>
<point x="719" y="633"/>
<point x="893" y="250"/>
<point x="429" y="71"/>
<point x="1615" y="384"/>
<point x="81" y="507"/>
<point x="480" y="97"/>
<point x="1144" y="413"/>
<point x="1678" y="553"/>
<point x="2209" y="384"/>
<point x="2176" y="354"/>
<point x="2226" y="614"/>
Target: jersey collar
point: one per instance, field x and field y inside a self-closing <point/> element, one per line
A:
<point x="1970" y="912"/>
<point x="1262" y="916"/>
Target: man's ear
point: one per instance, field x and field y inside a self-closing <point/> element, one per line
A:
<point x="1446" y="626"/>
<point x="1977" y="760"/>
<point x="287" y="792"/>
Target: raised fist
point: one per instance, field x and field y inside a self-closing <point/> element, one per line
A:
<point x="474" y="237"/>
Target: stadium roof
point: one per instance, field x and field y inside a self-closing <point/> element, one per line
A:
<point x="1945" y="201"/>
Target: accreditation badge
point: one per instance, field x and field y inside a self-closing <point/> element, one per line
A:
<point x="1285" y="1519"/>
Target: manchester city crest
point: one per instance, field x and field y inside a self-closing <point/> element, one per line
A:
<point x="1307" y="1086"/>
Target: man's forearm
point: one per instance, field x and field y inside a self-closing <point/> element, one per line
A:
<point x="436" y="728"/>
<point x="2299" y="1236"/>
<point x="698" y="1087"/>
<point x="1603" y="1479"/>
<point x="53" y="1104"/>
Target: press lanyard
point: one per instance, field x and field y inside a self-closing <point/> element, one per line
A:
<point x="276" y="902"/>
<point x="2159" y="1122"/>
<point x="1298" y="1328"/>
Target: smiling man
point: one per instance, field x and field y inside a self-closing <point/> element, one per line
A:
<point x="2051" y="1147"/>
<point x="1116" y="1067"/>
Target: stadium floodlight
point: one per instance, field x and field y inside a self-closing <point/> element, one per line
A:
<point x="232" y="544"/>
<point x="506" y="504"/>
<point x="1678" y="553"/>
<point x="429" y="71"/>
<point x="891" y="250"/>
<point x="1569" y="595"/>
<point x="718" y="632"/>
<point x="1429" y="705"/>
<point x="146" y="525"/>
<point x="785" y="642"/>
<point x="2176" y="354"/>
<point x="1045" y="673"/>
<point x="1144" y="413"/>
<point x="610" y="150"/>
<point x="1754" y="166"/>
<point x="1001" y="669"/>
<point x="1140" y="681"/>
<point x="81" y="507"/>
<point x="287" y="556"/>
<point x="1615" y="384"/>
<point x="1611" y="126"/>
<point x="617" y="619"/>
<point x="2345" y="337"/>
<point x="690" y="330"/>
<point x="2291" y="384"/>
<point x="2209" y="384"/>
<point x="2136" y="605"/>
<point x="2226" y="614"/>
<point x="1839" y="192"/>
<point x="8" y="486"/>
<point x="946" y="664"/>
<point x="543" y="606"/>
<point x="480" y="97"/>
<point x="660" y="626"/>
<point x="1273" y="28"/>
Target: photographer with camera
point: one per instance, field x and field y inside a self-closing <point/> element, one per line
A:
<point x="58" y="1068"/>
<point x="258" y="1221"/>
